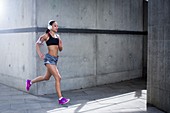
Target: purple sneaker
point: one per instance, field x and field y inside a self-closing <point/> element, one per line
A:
<point x="28" y="85"/>
<point x="63" y="101"/>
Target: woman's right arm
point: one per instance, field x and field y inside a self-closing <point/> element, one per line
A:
<point x="38" y="44"/>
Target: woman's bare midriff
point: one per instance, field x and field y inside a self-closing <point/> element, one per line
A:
<point x="53" y="50"/>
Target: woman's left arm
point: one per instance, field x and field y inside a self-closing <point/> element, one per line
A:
<point x="60" y="44"/>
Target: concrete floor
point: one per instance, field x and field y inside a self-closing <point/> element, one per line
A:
<point x="123" y="97"/>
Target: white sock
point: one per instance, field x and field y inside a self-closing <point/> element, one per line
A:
<point x="60" y="98"/>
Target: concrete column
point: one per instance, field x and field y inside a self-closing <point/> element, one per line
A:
<point x="158" y="85"/>
<point x="18" y="55"/>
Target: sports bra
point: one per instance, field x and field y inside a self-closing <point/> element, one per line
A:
<point x="52" y="40"/>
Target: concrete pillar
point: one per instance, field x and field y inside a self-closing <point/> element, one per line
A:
<point x="18" y="55"/>
<point x="158" y="85"/>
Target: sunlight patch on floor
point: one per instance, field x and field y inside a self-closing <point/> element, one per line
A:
<point x="128" y="102"/>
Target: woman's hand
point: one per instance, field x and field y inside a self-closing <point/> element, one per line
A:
<point x="41" y="56"/>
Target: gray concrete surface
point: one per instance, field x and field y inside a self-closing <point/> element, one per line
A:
<point x="158" y="54"/>
<point x="100" y="14"/>
<point x="123" y="97"/>
<point x="87" y="59"/>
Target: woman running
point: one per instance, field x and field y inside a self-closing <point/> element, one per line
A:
<point x="54" y="44"/>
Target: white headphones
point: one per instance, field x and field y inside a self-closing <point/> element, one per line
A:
<point x="50" y="26"/>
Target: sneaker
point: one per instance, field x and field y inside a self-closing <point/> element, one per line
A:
<point x="63" y="101"/>
<point x="28" y="85"/>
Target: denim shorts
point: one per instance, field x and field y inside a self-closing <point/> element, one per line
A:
<point x="50" y="59"/>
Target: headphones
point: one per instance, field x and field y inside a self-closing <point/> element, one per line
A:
<point x="50" y="26"/>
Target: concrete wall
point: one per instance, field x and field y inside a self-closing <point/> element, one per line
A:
<point x="145" y="39"/>
<point x="94" y="59"/>
<point x="17" y="14"/>
<point x="158" y="54"/>
<point x="87" y="59"/>
<point x="92" y="14"/>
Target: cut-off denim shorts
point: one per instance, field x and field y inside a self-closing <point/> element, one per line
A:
<point x="50" y="59"/>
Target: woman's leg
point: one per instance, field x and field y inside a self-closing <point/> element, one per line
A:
<point x="38" y="79"/>
<point x="42" y="78"/>
<point x="54" y="71"/>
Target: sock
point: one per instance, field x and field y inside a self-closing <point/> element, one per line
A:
<point x="60" y="98"/>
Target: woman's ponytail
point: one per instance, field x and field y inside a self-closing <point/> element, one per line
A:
<point x="47" y="31"/>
